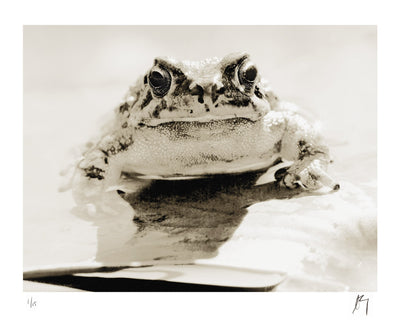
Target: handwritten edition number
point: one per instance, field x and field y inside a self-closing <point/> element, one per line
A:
<point x="31" y="303"/>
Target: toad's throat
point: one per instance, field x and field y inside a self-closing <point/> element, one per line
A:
<point x="198" y="148"/>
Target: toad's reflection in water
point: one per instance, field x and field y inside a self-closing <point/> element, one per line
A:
<point x="180" y="221"/>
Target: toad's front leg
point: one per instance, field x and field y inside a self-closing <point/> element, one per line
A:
<point x="97" y="177"/>
<point x="301" y="143"/>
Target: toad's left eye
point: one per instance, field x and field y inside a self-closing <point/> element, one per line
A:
<point x="247" y="75"/>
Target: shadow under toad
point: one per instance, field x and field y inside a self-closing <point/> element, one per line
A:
<point x="180" y="221"/>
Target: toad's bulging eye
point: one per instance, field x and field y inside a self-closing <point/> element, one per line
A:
<point x="247" y="75"/>
<point x="160" y="81"/>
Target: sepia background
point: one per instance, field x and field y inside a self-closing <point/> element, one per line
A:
<point x="74" y="75"/>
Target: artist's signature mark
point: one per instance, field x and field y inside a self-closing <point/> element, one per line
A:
<point x="32" y="303"/>
<point x="359" y="301"/>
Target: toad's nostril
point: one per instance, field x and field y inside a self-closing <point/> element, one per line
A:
<point x="198" y="91"/>
<point x="216" y="92"/>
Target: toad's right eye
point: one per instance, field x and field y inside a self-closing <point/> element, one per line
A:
<point x="160" y="81"/>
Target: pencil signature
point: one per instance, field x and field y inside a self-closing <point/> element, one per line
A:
<point x="359" y="299"/>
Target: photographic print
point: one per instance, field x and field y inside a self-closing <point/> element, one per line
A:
<point x="200" y="158"/>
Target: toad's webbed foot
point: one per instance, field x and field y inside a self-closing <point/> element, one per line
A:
<point x="311" y="177"/>
<point x="302" y="144"/>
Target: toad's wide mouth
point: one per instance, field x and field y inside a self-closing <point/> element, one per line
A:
<point x="200" y="120"/>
